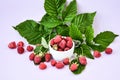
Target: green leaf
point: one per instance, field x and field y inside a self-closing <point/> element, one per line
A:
<point x="89" y="34"/>
<point x="29" y="29"/>
<point x="44" y="43"/>
<point x="86" y="51"/>
<point x="84" y="20"/>
<point x="70" y="12"/>
<point x="75" y="33"/>
<point x="40" y="49"/>
<point x="104" y="39"/>
<point x="80" y="67"/>
<point x="54" y="7"/>
<point x="49" y="21"/>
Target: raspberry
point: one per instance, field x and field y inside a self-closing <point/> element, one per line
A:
<point x="52" y="42"/>
<point x="57" y="39"/>
<point x="73" y="67"/>
<point x="62" y="44"/>
<point x="59" y="49"/>
<point x="47" y="57"/>
<point x="68" y="38"/>
<point x="53" y="62"/>
<point x="66" y="49"/>
<point x="108" y="50"/>
<point x="30" y="48"/>
<point x="82" y="60"/>
<point x="20" y="44"/>
<point x="32" y="56"/>
<point x="69" y="44"/>
<point x="37" y="59"/>
<point x="12" y="45"/>
<point x="20" y="50"/>
<point x="66" y="61"/>
<point x="42" y="66"/>
<point x="97" y="54"/>
<point x="59" y="65"/>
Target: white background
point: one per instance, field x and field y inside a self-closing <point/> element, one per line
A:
<point x="18" y="67"/>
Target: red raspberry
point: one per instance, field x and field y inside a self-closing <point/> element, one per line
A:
<point x="48" y="57"/>
<point x="66" y="61"/>
<point x="66" y="49"/>
<point x="52" y="42"/>
<point x="30" y="48"/>
<point x="62" y="44"/>
<point x="73" y="67"/>
<point x="57" y="39"/>
<point x="97" y="54"/>
<point x="42" y="66"/>
<point x="53" y="62"/>
<point x="68" y="38"/>
<point x="20" y="44"/>
<point x="69" y="44"/>
<point x="108" y="50"/>
<point x="20" y="50"/>
<point x="37" y="59"/>
<point x="12" y="45"/>
<point x="59" y="65"/>
<point x="32" y="56"/>
<point x="59" y="49"/>
<point x="82" y="60"/>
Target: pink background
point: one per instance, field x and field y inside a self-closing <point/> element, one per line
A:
<point x="18" y="67"/>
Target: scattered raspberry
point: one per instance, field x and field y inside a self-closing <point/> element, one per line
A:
<point x="57" y="39"/>
<point x="32" y="56"/>
<point x="53" y="62"/>
<point x="73" y="67"/>
<point x="42" y="66"/>
<point x="30" y="48"/>
<point x="12" y="45"/>
<point x="20" y="50"/>
<point x="59" y="65"/>
<point x="20" y="44"/>
<point x="108" y="50"/>
<point x="48" y="57"/>
<point x="37" y="59"/>
<point x="97" y="54"/>
<point x="66" y="61"/>
<point x="82" y="60"/>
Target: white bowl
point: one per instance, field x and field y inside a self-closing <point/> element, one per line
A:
<point x="60" y="55"/>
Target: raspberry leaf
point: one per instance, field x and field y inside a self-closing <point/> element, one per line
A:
<point x="83" y="20"/>
<point x="86" y="51"/>
<point x="75" y="33"/>
<point x="80" y="67"/>
<point x="54" y="7"/>
<point x="103" y="40"/>
<point x="50" y="22"/>
<point x="70" y="12"/>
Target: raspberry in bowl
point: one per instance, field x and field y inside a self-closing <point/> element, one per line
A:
<point x="61" y="47"/>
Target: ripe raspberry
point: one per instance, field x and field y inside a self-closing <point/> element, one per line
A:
<point x="30" y="48"/>
<point x="20" y="44"/>
<point x="69" y="44"/>
<point x="66" y="61"/>
<point x="42" y="66"/>
<point x="32" y="56"/>
<point x="12" y="45"/>
<point x="48" y="57"/>
<point x="53" y="62"/>
<point x="73" y="67"/>
<point x="68" y="38"/>
<point x="97" y="54"/>
<point x="59" y="49"/>
<point x="37" y="59"/>
<point x="108" y="50"/>
<point x="82" y="60"/>
<point x="59" y="65"/>
<point x="62" y="44"/>
<point x="20" y="50"/>
<point x="52" y="42"/>
<point x="66" y="49"/>
<point x="57" y="39"/>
